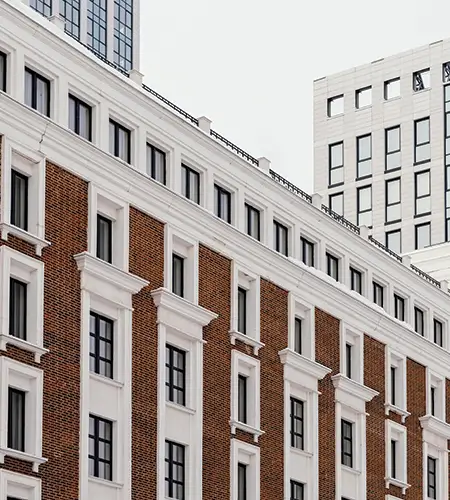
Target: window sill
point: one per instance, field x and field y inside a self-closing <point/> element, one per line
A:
<point x="392" y="222"/>
<point x="350" y="470"/>
<point x="302" y="453"/>
<point x="421" y="162"/>
<point x="183" y="409"/>
<point x="421" y="91"/>
<point x="106" y="380"/>
<point x="397" y="98"/>
<point x="417" y="216"/>
<point x="362" y="108"/>
<point x="105" y="482"/>
<point x="22" y="344"/>
<point x="20" y="455"/>
<point x="396" y="482"/>
<point x="395" y="409"/>
<point x="335" y="185"/>
<point x="235" y="335"/>
<point x="38" y="243"/>
<point x="246" y="428"/>
<point x="335" y="116"/>
<point x="392" y="170"/>
<point x="363" y="178"/>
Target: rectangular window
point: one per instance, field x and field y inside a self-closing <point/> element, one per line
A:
<point x="156" y="164"/>
<point x="392" y="148"/>
<point x="378" y="294"/>
<point x="175" y="375"/>
<point x="438" y="328"/>
<point x="399" y="307"/>
<point x="346" y="443"/>
<point x="19" y="200"/>
<point x="419" y="321"/>
<point x="393" y="458"/>
<point x="123" y="34"/>
<point x="44" y="7"/>
<point x="392" y="89"/>
<point x="307" y="252"/>
<point x="242" y="310"/>
<point x="80" y="117"/>
<point x="242" y="481"/>
<point x="3" y="71"/>
<point x="335" y="105"/>
<point x="190" y="184"/>
<point x="242" y="399"/>
<point x="280" y="238"/>
<point x="348" y="360"/>
<point x="364" y="155"/>
<point x="393" y="200"/>
<point x="394" y="241"/>
<point x="433" y="400"/>
<point x="297" y="423"/>
<point x="297" y="491"/>
<point x="18" y="309"/>
<point x="446" y="72"/>
<point x="364" y="206"/>
<point x="447" y="158"/>
<point x="431" y="477"/>
<point x="253" y="222"/>
<point x="336" y="163"/>
<point x="37" y="92"/>
<point x="178" y="275"/>
<point x="332" y="266"/>
<point x="356" y="280"/>
<point x="422" y="193"/>
<point x="336" y="203"/>
<point x="363" y="97"/>
<point x="423" y="235"/>
<point x="16" y="419"/>
<point x="101" y="346"/>
<point x="421" y="80"/>
<point x="100" y="447"/>
<point x="174" y="470"/>
<point x="104" y="238"/>
<point x="70" y="11"/>
<point x="222" y="203"/>
<point x="422" y="140"/>
<point x="394" y="385"/>
<point x="298" y="336"/>
<point x="96" y="26"/>
<point x="119" y="141"/>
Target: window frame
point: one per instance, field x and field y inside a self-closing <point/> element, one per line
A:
<point x="386" y="88"/>
<point x="390" y="233"/>
<point x="97" y="440"/>
<point x="13" y="283"/>
<point x="378" y="287"/>
<point x="298" y="335"/>
<point x="35" y="76"/>
<point x="80" y="103"/>
<point x="353" y="272"/>
<point x="170" y="385"/>
<point x="358" y="204"/>
<point x="421" y="197"/>
<point x="16" y="175"/>
<point x="114" y="148"/>
<point x="4" y="72"/>
<point x="347" y="424"/>
<point x="242" y="306"/>
<point x="297" y="439"/>
<point x="399" y="299"/>
<point x="332" y="168"/>
<point x="417" y="84"/>
<point x="417" y="144"/>
<point x="293" y="486"/>
<point x="178" y="279"/>
<point x="332" y="263"/>
<point x="419" y="321"/>
<point x="102" y="219"/>
<point x="242" y="410"/>
<point x="249" y="210"/>
<point x="388" y="153"/>
<point x="330" y="101"/>
<point x="432" y="489"/>
<point x="360" y="160"/>
<point x="389" y="204"/>
<point x="306" y="243"/>
<point x="332" y="197"/>
<point x="242" y="473"/>
<point x="281" y="232"/>
<point x="416" y="228"/>
<point x="358" y="94"/>
<point x="98" y="339"/>
<point x="437" y="321"/>
<point x="187" y="174"/>
<point x="16" y="430"/>
<point x="220" y="191"/>
<point x="151" y="151"/>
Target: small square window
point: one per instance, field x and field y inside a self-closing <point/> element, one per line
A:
<point x="421" y="80"/>
<point x="336" y="203"/>
<point x="363" y="97"/>
<point x="156" y="164"/>
<point x="356" y="280"/>
<point x="280" y="238"/>
<point x="253" y="222"/>
<point x="335" y="105"/>
<point x="222" y="203"/>
<point x="178" y="275"/>
<point x="100" y="447"/>
<point x="80" y="117"/>
<point x="190" y="184"/>
<point x="392" y="89"/>
<point x="119" y="141"/>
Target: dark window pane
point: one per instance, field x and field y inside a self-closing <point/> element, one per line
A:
<point x="3" y="69"/>
<point x="307" y="252"/>
<point x="123" y="30"/>
<point x="16" y="419"/>
<point x="346" y="443"/>
<point x="178" y="275"/>
<point x="44" y="7"/>
<point x="100" y="448"/>
<point x="356" y="280"/>
<point x="96" y="26"/>
<point x="242" y="481"/>
<point x="175" y="375"/>
<point x="37" y="92"/>
<point x="120" y="141"/>
<point x="104" y="238"/>
<point x="280" y="238"/>
<point x="222" y="203"/>
<point x="190" y="184"/>
<point x="297" y="423"/>
<point x="174" y="470"/>
<point x="297" y="491"/>
<point x="101" y="345"/>
<point x="80" y="117"/>
<point x="19" y="200"/>
<point x="242" y="399"/>
<point x="253" y="222"/>
<point x="298" y="336"/>
<point x="18" y="309"/>
<point x="242" y="310"/>
<point x="156" y="164"/>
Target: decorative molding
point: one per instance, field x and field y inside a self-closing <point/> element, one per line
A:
<point x="20" y="455"/>
<point x="435" y="426"/>
<point x="302" y="364"/>
<point x="245" y="339"/>
<point x="395" y="482"/>
<point x="235" y="424"/>
<point x="22" y="344"/>
<point x="395" y="409"/>
<point x="7" y="229"/>
<point x="352" y="388"/>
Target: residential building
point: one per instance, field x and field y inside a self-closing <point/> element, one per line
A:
<point x="178" y="321"/>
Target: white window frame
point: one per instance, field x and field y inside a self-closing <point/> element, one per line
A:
<point x="426" y="319"/>
<point x="355" y="338"/>
<point x="241" y="364"/>
<point x="340" y="262"/>
<point x="250" y="456"/>
<point x="232" y="189"/>
<point x="30" y="380"/>
<point x="438" y="382"/>
<point x="30" y="271"/>
<point x="319" y="256"/>
<point x="32" y="164"/>
<point x="17" y="485"/>
<point x="202" y="174"/>
<point x="393" y="358"/>
<point x="263" y="217"/>
<point x="306" y="313"/>
<point x="163" y="146"/>
<point x="132" y="128"/>
<point x="398" y="433"/>
<point x="438" y="317"/>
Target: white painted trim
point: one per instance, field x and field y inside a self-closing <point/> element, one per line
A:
<point x="248" y="454"/>
<point x="13" y="484"/>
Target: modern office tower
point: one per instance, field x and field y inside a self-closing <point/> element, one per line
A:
<point x="177" y="321"/>
<point x="382" y="146"/>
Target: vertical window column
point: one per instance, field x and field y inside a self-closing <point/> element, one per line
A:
<point x="123" y="34"/>
<point x="96" y="27"/>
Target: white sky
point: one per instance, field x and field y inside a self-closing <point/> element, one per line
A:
<point x="249" y="65"/>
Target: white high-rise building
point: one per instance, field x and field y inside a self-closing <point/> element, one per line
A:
<point x="382" y="146"/>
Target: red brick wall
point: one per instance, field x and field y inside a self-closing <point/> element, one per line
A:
<point x="146" y="261"/>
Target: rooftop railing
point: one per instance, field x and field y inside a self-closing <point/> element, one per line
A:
<point x="385" y="249"/>
<point x="342" y="220"/>
<point x="425" y="276"/>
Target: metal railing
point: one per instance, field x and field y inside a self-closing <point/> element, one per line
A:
<point x="385" y="249"/>
<point x="342" y="220"/>
<point x="425" y="276"/>
<point x="288" y="185"/>
<point x="233" y="147"/>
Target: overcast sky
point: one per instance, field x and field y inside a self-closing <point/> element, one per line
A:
<point x="249" y="65"/>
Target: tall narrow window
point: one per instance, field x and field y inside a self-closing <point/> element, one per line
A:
<point x="119" y="141"/>
<point x="423" y="235"/>
<point x="363" y="97"/>
<point x="336" y="163"/>
<point x="18" y="309"/>
<point x="307" y="252"/>
<point x="364" y="155"/>
<point x="96" y="26"/>
<point x="447" y="158"/>
<point x="44" y="7"/>
<point x="190" y="184"/>
<point x="297" y="491"/>
<point x="104" y="238"/>
<point x="242" y="481"/>
<point x="392" y="148"/>
<point x="298" y="336"/>
<point x="364" y="205"/>
<point x="393" y="458"/>
<point x="80" y="117"/>
<point x="336" y="203"/>
<point x="348" y="360"/>
<point x="393" y="200"/>
<point x="175" y="375"/>
<point x="394" y="385"/>
<point x="242" y="310"/>
<point x="419" y="321"/>
<point x="431" y="477"/>
<point x="433" y="400"/>
<point x="3" y="71"/>
<point x="174" y="470"/>
<point x="19" y="200"/>
<point x="399" y="307"/>
<point x="356" y="280"/>
<point x="297" y="423"/>
<point x="378" y="294"/>
<point x="253" y="222"/>
<point x="394" y="241"/>
<point x="16" y="419"/>
<point x="332" y="266"/>
<point x="37" y="92"/>
<point x="422" y="140"/>
<point x="70" y="11"/>
<point x="101" y="346"/>
<point x="422" y="193"/>
<point x="280" y="238"/>
<point x="438" y="328"/>
<point x="123" y="34"/>
<point x="222" y="203"/>
<point x="178" y="275"/>
<point x="242" y="399"/>
<point x="100" y="448"/>
<point x="346" y="443"/>
<point x="421" y="80"/>
<point x="156" y="164"/>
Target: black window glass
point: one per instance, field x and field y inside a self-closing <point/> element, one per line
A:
<point x="242" y="399"/>
<point x="80" y="117"/>
<point x="19" y="200"/>
<point x="175" y="375"/>
<point x="18" y="309"/>
<point x="96" y="26"/>
<point x="438" y="332"/>
<point x="100" y="448"/>
<point x="190" y="183"/>
<point x="307" y="252"/>
<point x="123" y="34"/>
<point x="16" y="419"/>
<point x="104" y="238"/>
<point x="3" y="70"/>
<point x="399" y="307"/>
<point x="174" y="470"/>
<point x="280" y="238"/>
<point x="346" y="443"/>
<point x="242" y="482"/>
<point x="298" y="336"/>
<point x="37" y="92"/>
<point x="178" y="275"/>
<point x="253" y="222"/>
<point x="101" y="345"/>
<point x="156" y="164"/>
<point x="242" y="310"/>
<point x="119" y="141"/>
<point x="222" y="203"/>
<point x="356" y="280"/>
<point x="297" y="423"/>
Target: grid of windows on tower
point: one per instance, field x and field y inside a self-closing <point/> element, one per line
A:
<point x="44" y="7"/>
<point x="123" y="34"/>
<point x="69" y="10"/>
<point x="96" y="26"/>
